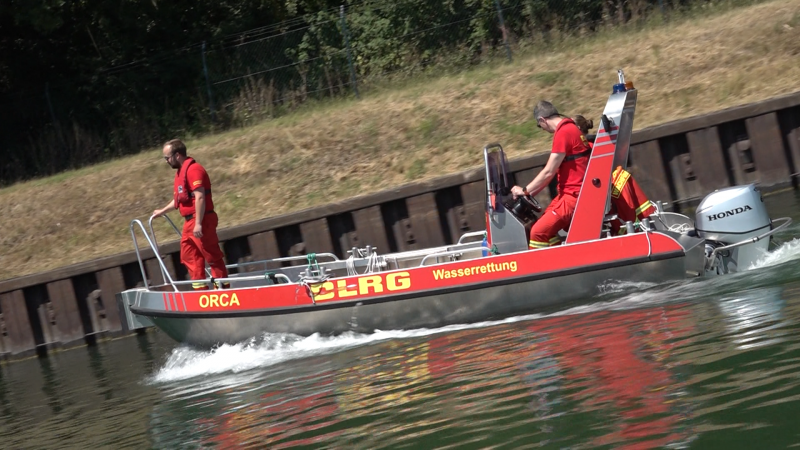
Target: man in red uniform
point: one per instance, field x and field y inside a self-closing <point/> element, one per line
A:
<point x="568" y="159"/>
<point x="192" y="197"/>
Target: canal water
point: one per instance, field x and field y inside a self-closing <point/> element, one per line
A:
<point x="700" y="364"/>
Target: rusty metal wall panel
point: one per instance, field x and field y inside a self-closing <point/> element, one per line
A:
<point x="789" y="121"/>
<point x="3" y="335"/>
<point x="474" y="196"/>
<point x="648" y="168"/>
<point x="47" y="318"/>
<point x="743" y="168"/>
<point x="154" y="275"/>
<point x="111" y="282"/>
<point x="768" y="153"/>
<point x="401" y="233"/>
<point x="427" y="225"/>
<point x="675" y="151"/>
<point x="131" y="275"/>
<point x="96" y="311"/>
<point x="317" y="236"/>
<point x="343" y="234"/>
<point x="290" y="243"/>
<point x="793" y="140"/>
<point x="153" y="270"/>
<point x="707" y="159"/>
<point x="18" y="325"/>
<point x="236" y="250"/>
<point x="264" y="246"/>
<point x="171" y="263"/>
<point x="451" y="208"/>
<point x="404" y="235"/>
<point x="65" y="307"/>
<point x="87" y="293"/>
<point x="370" y="229"/>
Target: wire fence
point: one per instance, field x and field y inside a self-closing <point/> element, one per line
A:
<point x="269" y="71"/>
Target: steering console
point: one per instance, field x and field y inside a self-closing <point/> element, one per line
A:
<point x="525" y="208"/>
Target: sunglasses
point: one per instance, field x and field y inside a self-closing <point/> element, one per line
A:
<point x="166" y="158"/>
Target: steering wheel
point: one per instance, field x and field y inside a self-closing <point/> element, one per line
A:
<point x="531" y="202"/>
<point x="526" y="207"/>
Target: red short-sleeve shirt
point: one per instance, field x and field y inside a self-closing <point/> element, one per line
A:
<point x="569" y="139"/>
<point x="190" y="177"/>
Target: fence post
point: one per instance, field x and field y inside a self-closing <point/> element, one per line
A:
<point x="208" y="85"/>
<point x="349" y="52"/>
<point x="503" y="29"/>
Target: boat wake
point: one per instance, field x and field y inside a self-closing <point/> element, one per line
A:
<point x="771" y="269"/>
<point x="274" y="348"/>
<point x="788" y="251"/>
<point x="617" y="286"/>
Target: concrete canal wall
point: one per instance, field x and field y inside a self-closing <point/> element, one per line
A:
<point x="678" y="162"/>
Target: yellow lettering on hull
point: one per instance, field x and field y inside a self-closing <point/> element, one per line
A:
<point x="218" y="301"/>
<point x="371" y="284"/>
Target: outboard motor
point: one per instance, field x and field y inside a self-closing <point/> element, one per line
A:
<point x="731" y="216"/>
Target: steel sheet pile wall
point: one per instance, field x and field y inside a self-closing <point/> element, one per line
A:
<point x="678" y="162"/>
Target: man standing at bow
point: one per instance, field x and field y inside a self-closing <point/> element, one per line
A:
<point x="192" y="197"/>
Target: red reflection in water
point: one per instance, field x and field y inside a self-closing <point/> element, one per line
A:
<point x="274" y="417"/>
<point x="615" y="363"/>
<point x="620" y="361"/>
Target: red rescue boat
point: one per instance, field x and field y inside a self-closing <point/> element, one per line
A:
<point x="487" y="275"/>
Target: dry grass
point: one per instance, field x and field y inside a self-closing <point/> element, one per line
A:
<point x="421" y="130"/>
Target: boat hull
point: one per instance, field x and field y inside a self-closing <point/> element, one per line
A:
<point x="435" y="309"/>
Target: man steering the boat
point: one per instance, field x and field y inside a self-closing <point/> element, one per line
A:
<point x="568" y="160"/>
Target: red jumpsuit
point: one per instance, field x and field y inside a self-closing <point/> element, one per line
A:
<point x="195" y="252"/>
<point x="558" y="215"/>
<point x="628" y="201"/>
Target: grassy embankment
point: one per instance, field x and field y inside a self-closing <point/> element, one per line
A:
<point x="420" y="129"/>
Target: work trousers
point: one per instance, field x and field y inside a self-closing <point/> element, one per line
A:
<point x="195" y="252"/>
<point x="557" y="216"/>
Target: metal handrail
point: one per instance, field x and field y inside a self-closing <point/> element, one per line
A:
<point x="154" y="247"/>
<point x="153" y="243"/>
<point x="250" y="278"/>
<point x="285" y="258"/>
<point x="470" y="234"/>
<point x="152" y="231"/>
<point x="450" y="253"/>
<point x="786" y="223"/>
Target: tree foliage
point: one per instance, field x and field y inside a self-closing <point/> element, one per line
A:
<point x="85" y="80"/>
